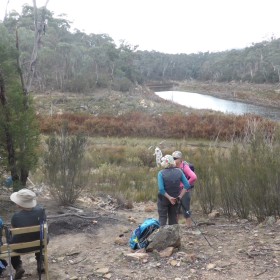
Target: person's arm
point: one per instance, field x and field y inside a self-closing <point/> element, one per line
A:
<point x="190" y="174"/>
<point x="161" y="184"/>
<point x="162" y="189"/>
<point x="186" y="184"/>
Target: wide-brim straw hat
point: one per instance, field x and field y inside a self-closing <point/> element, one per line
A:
<point x="24" y="198"/>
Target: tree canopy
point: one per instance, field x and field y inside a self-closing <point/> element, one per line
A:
<point x="73" y="61"/>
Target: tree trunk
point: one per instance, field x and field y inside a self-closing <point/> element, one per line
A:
<point x="38" y="33"/>
<point x="9" y="140"/>
<point x="23" y="176"/>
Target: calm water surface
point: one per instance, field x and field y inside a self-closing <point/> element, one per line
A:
<point x="200" y="101"/>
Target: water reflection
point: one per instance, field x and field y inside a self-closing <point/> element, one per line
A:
<point x="200" y="101"/>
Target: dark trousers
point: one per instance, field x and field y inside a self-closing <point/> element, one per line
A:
<point x="185" y="208"/>
<point x="166" y="210"/>
<point x="16" y="260"/>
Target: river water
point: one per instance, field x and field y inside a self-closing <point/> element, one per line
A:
<point x="201" y="101"/>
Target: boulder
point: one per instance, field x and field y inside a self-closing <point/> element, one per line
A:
<point x="164" y="237"/>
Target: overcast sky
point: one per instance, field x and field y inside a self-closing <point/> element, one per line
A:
<point x="170" y="26"/>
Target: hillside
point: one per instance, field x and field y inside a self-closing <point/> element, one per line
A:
<point x="104" y="101"/>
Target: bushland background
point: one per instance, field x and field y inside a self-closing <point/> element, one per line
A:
<point x="80" y="129"/>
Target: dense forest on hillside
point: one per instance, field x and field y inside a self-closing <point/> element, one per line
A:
<point x="72" y="61"/>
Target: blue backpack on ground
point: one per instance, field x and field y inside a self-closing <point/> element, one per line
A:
<point x="139" y="236"/>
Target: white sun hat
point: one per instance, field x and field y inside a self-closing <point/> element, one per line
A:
<point x="24" y="198"/>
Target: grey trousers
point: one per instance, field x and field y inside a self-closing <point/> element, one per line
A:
<point x="166" y="211"/>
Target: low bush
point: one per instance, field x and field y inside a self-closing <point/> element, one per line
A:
<point x="64" y="166"/>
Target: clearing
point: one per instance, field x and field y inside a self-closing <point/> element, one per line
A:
<point x="90" y="241"/>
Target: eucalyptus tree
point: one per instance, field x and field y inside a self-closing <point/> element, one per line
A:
<point x="126" y="74"/>
<point x="272" y="61"/>
<point x="103" y="54"/>
<point x="19" y="134"/>
<point x="19" y="129"/>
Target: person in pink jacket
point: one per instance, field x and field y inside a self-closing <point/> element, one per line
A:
<point x="191" y="176"/>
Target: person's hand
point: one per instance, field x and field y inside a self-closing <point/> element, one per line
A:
<point x="172" y="200"/>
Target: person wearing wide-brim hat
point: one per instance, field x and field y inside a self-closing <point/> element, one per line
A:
<point x="169" y="179"/>
<point x="30" y="214"/>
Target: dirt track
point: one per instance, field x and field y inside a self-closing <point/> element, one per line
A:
<point x="90" y="241"/>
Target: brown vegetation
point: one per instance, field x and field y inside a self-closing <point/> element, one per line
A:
<point x="194" y="125"/>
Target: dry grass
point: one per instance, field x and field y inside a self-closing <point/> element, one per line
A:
<point x="198" y="126"/>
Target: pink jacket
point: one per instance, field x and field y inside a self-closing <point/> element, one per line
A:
<point x="191" y="176"/>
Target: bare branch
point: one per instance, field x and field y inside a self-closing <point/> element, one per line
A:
<point x="38" y="33"/>
<point x="6" y="10"/>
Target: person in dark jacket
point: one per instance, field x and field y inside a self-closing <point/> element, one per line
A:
<point x="30" y="214"/>
<point x="169" y="180"/>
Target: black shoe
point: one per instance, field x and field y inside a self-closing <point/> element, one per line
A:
<point x="19" y="272"/>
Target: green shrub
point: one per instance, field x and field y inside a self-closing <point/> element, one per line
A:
<point x="232" y="174"/>
<point x="64" y="169"/>
<point x="263" y="176"/>
<point x="206" y="185"/>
